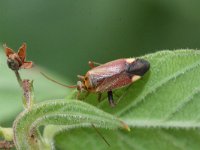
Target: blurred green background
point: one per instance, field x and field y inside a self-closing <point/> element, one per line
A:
<point x="64" y="35"/>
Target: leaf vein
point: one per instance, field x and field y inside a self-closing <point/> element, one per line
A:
<point x="186" y="101"/>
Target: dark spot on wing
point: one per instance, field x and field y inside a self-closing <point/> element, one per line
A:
<point x="138" y="67"/>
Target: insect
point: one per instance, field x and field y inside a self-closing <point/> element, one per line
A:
<point x="110" y="76"/>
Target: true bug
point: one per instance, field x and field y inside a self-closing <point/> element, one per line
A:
<point x="110" y="76"/>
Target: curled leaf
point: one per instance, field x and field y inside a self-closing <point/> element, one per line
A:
<point x="61" y="113"/>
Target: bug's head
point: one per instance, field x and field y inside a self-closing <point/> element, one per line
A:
<point x="138" y="67"/>
<point x="84" y="83"/>
<point x="80" y="86"/>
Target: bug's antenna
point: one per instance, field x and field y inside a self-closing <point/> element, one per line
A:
<point x="68" y="86"/>
<point x="100" y="134"/>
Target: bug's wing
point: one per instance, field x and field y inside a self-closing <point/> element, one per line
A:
<point x="112" y="67"/>
<point x="102" y="72"/>
<point x="22" y="52"/>
<point x="114" y="82"/>
<point x="8" y="50"/>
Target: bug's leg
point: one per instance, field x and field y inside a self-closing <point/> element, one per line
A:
<point x="110" y="99"/>
<point x="99" y="97"/>
<point x="92" y="64"/>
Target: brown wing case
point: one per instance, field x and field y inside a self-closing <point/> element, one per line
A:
<point x="98" y="74"/>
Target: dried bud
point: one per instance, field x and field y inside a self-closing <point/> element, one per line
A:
<point x="17" y="61"/>
<point x="13" y="63"/>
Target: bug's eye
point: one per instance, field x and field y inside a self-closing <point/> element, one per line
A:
<point x="86" y="78"/>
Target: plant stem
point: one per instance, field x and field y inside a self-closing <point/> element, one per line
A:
<point x="19" y="79"/>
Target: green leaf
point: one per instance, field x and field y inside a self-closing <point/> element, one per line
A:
<point x="11" y="94"/>
<point x="162" y="107"/>
<point x="61" y="113"/>
<point x="137" y="139"/>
